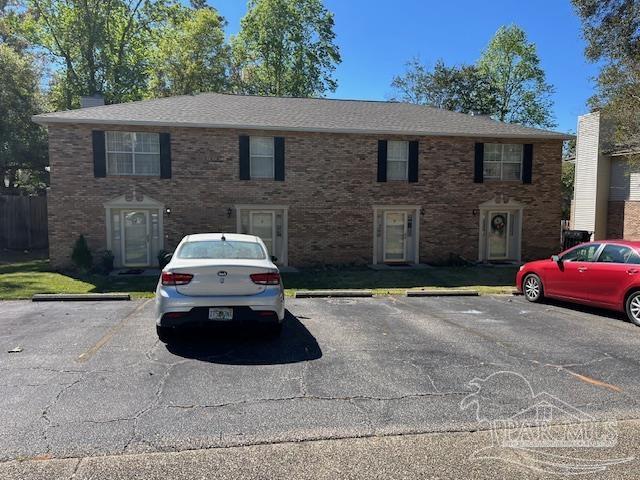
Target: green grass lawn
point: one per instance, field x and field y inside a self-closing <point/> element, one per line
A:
<point x="484" y="279"/>
<point x="21" y="280"/>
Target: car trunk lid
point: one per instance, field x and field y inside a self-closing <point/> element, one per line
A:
<point x="231" y="278"/>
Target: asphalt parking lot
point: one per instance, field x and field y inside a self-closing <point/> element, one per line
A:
<point x="93" y="380"/>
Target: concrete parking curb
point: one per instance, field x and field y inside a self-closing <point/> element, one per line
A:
<point x="79" y="297"/>
<point x="332" y="293"/>
<point x="442" y="293"/>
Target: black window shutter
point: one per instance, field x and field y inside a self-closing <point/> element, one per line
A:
<point x="244" y="158"/>
<point x="478" y="170"/>
<point x="527" y="163"/>
<point x="382" y="160"/>
<point x="165" y="155"/>
<point x="413" y="161"/>
<point x="278" y="146"/>
<point x="99" y="156"/>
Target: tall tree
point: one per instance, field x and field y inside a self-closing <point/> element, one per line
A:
<point x="23" y="144"/>
<point x="512" y="65"/>
<point x="612" y="31"/>
<point x="460" y="89"/>
<point x="190" y="56"/>
<point x="286" y="47"/>
<point x="11" y="15"/>
<point x="100" y="46"/>
<point x="506" y="83"/>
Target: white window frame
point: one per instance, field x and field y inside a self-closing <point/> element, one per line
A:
<point x="272" y="157"/>
<point x="502" y="161"/>
<point x="133" y="153"/>
<point x="405" y="176"/>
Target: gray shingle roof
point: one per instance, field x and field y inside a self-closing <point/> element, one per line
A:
<point x="296" y="114"/>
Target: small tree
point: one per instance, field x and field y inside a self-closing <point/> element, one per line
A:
<point x="81" y="255"/>
<point x="568" y="177"/>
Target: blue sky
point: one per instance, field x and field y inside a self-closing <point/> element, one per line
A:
<point x="377" y="38"/>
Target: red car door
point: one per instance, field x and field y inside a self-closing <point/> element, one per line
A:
<point x="571" y="277"/>
<point x="614" y="271"/>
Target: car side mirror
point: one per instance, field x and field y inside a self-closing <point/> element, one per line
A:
<point x="556" y="259"/>
<point x="274" y="258"/>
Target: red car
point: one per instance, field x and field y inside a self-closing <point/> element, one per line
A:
<point x="601" y="274"/>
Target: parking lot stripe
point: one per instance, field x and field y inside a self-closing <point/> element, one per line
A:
<point x="109" y="335"/>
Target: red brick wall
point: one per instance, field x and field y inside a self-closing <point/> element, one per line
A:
<point x="330" y="189"/>
<point x="623" y="220"/>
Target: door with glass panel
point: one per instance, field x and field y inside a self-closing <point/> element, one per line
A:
<point x="135" y="238"/>
<point x="395" y="236"/>
<point x="262" y="224"/>
<point x="498" y="235"/>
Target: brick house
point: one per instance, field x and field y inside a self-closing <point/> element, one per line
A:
<point x="607" y="182"/>
<point x="320" y="181"/>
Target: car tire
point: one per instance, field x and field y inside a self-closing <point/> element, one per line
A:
<point x="532" y="288"/>
<point x="165" y="334"/>
<point x="632" y="307"/>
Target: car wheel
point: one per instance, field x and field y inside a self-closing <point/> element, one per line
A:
<point x="164" y="333"/>
<point x="532" y="288"/>
<point x="633" y="307"/>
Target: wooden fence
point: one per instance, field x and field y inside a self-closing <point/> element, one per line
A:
<point x="23" y="222"/>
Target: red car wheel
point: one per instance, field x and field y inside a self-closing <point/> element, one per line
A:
<point x="532" y="288"/>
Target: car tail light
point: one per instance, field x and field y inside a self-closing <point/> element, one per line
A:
<point x="170" y="278"/>
<point x="266" y="278"/>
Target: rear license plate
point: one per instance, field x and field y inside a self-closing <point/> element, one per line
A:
<point x="220" y="313"/>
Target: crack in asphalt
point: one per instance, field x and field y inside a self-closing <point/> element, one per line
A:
<point x="45" y="412"/>
<point x="318" y="397"/>
<point x="152" y="405"/>
<point x="604" y="357"/>
<point x="75" y="468"/>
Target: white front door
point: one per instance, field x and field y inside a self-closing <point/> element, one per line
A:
<point x="395" y="236"/>
<point x="498" y="235"/>
<point x="262" y="224"/>
<point x="135" y="238"/>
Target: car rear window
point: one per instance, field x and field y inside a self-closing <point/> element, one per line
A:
<point x="224" y="250"/>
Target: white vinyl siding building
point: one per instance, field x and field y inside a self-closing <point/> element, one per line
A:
<point x="607" y="183"/>
<point x="625" y="180"/>
<point x="591" y="190"/>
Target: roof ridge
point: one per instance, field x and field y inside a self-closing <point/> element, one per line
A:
<point x="320" y="114"/>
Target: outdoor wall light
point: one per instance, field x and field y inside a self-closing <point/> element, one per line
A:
<point x="168" y="211"/>
<point x="474" y="211"/>
<point x="229" y="212"/>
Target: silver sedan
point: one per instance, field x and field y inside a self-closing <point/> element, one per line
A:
<point x="214" y="278"/>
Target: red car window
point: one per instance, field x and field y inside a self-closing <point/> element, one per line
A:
<point x="583" y="253"/>
<point x="618" y="254"/>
